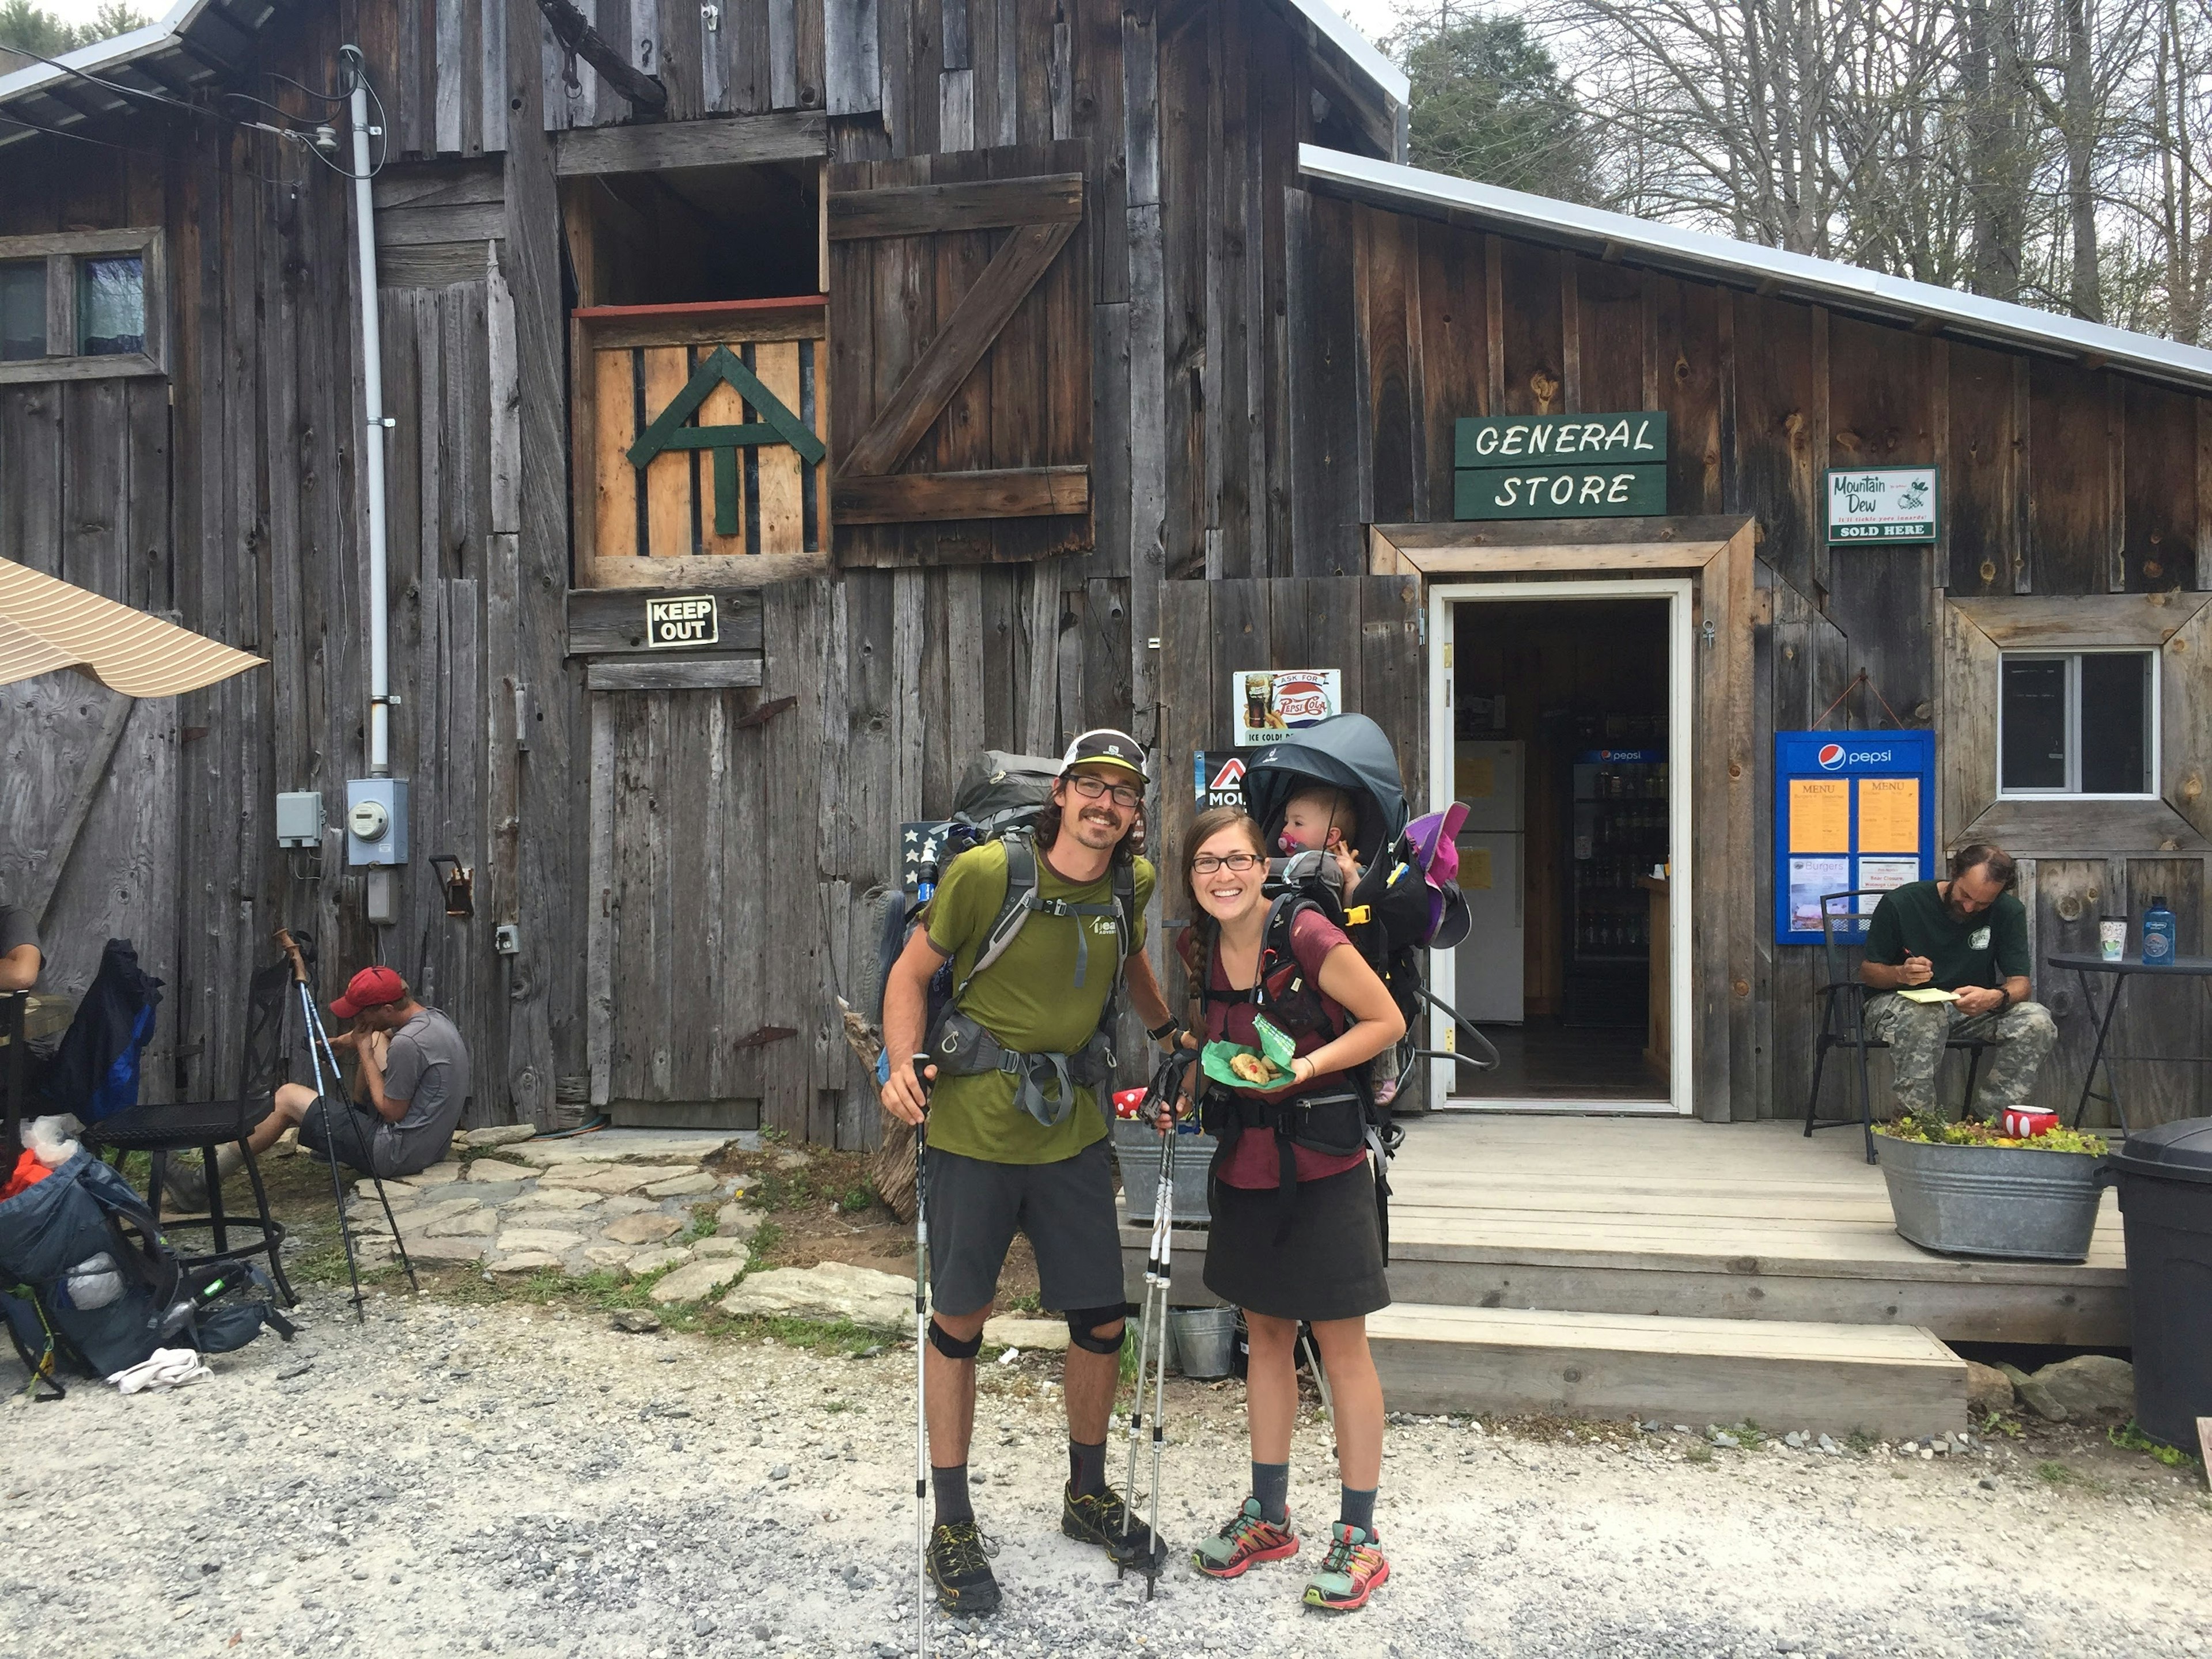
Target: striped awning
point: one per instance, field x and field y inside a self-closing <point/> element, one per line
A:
<point x="46" y="623"/>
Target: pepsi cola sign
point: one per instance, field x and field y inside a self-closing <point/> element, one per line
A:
<point x="1831" y="757"/>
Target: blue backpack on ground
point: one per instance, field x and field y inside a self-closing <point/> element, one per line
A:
<point x="86" y="1277"/>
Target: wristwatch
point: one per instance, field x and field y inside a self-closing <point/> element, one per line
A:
<point x="1157" y="1033"/>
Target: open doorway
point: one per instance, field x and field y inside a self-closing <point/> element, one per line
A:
<point x="1559" y="712"/>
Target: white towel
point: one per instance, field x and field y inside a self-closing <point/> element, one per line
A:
<point x="166" y="1368"/>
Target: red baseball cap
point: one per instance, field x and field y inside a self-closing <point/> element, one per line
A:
<point x="372" y="988"/>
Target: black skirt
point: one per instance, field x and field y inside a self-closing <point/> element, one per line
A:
<point x="1329" y="1267"/>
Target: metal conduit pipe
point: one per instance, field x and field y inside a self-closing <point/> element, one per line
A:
<point x="372" y="351"/>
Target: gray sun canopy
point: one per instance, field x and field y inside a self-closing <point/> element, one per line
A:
<point x="1348" y="752"/>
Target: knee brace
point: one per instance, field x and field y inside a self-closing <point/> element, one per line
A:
<point x="1082" y="1325"/>
<point x="953" y="1347"/>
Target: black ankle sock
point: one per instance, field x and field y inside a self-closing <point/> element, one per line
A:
<point x="1357" y="1509"/>
<point x="949" y="1488"/>
<point x="1087" y="1469"/>
<point x="1271" y="1485"/>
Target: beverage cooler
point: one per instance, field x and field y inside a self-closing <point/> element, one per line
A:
<point x="1617" y="815"/>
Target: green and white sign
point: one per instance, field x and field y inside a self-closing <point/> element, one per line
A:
<point x="1560" y="466"/>
<point x="1883" y="504"/>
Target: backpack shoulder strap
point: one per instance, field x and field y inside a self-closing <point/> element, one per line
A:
<point x="1014" y="910"/>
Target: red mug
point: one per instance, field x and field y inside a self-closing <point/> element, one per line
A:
<point x="2019" y="1124"/>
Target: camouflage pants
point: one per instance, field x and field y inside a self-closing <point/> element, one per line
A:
<point x="2021" y="1037"/>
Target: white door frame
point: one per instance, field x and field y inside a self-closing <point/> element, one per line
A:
<point x="1463" y="1090"/>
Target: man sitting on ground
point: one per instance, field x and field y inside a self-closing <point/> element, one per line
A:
<point x="414" y="1080"/>
<point x="1967" y="935"/>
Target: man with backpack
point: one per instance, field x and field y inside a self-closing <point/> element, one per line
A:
<point x="1055" y="917"/>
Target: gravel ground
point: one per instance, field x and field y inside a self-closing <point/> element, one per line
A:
<point x="456" y="1479"/>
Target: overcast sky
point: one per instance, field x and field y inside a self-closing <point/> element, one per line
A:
<point x="1372" y="17"/>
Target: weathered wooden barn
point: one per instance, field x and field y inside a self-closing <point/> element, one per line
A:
<point x="991" y="370"/>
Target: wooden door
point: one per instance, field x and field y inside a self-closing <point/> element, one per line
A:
<point x="690" y="1021"/>
<point x="960" y="339"/>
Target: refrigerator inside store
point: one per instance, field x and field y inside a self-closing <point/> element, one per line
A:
<point x="1618" y="817"/>
<point x="1487" y="775"/>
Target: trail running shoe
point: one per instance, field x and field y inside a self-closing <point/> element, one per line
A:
<point x="1100" y="1518"/>
<point x="1352" y="1571"/>
<point x="1248" y="1537"/>
<point x="959" y="1562"/>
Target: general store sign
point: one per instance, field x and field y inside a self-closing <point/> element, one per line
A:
<point x="1560" y="466"/>
<point x="1882" y="504"/>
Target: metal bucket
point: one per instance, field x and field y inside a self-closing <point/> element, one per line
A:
<point x="1137" y="1148"/>
<point x="1205" y="1340"/>
<point x="2008" y="1202"/>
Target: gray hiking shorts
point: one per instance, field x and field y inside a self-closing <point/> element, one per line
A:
<point x="1066" y="1209"/>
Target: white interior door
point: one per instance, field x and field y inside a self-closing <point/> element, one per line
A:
<point x="1452" y="1082"/>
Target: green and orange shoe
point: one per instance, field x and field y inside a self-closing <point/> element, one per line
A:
<point x="1352" y="1571"/>
<point x="1248" y="1537"/>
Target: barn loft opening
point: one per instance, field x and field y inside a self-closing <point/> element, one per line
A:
<point x="693" y="234"/>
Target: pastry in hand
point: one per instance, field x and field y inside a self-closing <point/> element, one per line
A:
<point x="1253" y="1068"/>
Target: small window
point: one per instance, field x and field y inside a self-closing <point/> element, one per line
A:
<point x="111" y="306"/>
<point x="2078" y="723"/>
<point x="81" y="305"/>
<point x="22" y="311"/>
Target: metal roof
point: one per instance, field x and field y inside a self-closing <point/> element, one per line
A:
<point x="1617" y="236"/>
<point x="196" y="43"/>
<point x="1388" y="79"/>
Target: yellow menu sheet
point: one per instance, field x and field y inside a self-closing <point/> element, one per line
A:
<point x="1820" y="815"/>
<point x="1889" y="814"/>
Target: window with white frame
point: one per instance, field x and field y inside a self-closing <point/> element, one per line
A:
<point x="82" y="305"/>
<point x="2080" y="723"/>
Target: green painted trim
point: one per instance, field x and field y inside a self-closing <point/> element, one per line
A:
<point x="750" y="435"/>
<point x="726" y="496"/>
<point x="1492" y="441"/>
<point x="723" y="366"/>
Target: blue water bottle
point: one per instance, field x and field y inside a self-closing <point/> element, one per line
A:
<point x="2157" y="934"/>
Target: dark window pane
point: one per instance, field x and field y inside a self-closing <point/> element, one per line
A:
<point x="111" y="306"/>
<point x="22" y="311"/>
<point x="2116" y="723"/>
<point x="2034" y="713"/>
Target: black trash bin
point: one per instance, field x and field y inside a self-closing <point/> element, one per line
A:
<point x="2165" y="1178"/>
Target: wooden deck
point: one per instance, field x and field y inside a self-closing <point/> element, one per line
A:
<point x="1677" y="1218"/>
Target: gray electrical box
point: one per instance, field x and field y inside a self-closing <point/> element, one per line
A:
<point x="300" y="820"/>
<point x="376" y="821"/>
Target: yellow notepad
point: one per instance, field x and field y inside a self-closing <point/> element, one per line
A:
<point x="1927" y="994"/>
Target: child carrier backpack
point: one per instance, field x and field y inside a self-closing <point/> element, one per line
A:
<point x="999" y="798"/>
<point x="86" y="1277"/>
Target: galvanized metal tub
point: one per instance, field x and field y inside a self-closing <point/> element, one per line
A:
<point x="1137" y="1148"/>
<point x="2010" y="1201"/>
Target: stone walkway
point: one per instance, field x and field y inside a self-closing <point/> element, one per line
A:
<point x="636" y="1202"/>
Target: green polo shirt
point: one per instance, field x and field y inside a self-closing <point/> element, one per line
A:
<point x="1027" y="999"/>
<point x="1983" y="951"/>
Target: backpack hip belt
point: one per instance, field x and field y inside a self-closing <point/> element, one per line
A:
<point x="1046" y="1082"/>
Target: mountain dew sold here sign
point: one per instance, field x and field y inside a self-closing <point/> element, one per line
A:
<point x="1882" y="504"/>
<point x="1560" y="466"/>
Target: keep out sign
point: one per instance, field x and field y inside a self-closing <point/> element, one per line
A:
<point x="691" y="620"/>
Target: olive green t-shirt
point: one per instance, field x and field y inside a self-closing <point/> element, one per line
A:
<point x="1981" y="952"/>
<point x="1027" y="999"/>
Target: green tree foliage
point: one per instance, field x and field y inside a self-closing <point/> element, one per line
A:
<point x="28" y="28"/>
<point x="1489" y="103"/>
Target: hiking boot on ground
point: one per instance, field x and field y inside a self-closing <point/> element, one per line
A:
<point x="1248" y="1537"/>
<point x="1352" y="1571"/>
<point x="1100" y="1518"/>
<point x="959" y="1564"/>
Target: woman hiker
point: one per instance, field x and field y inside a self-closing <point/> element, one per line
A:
<point x="1284" y="1254"/>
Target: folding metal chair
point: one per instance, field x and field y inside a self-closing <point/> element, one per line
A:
<point x="206" y="1124"/>
<point x="1843" y="1002"/>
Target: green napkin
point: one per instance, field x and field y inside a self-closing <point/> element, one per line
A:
<point x="1214" y="1060"/>
<point x="1273" y="1043"/>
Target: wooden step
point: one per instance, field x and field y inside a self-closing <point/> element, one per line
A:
<point x="1782" y="1375"/>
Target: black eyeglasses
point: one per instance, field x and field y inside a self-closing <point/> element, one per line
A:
<point x="1095" y="789"/>
<point x="1206" y="864"/>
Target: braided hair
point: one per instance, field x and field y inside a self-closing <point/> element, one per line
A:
<point x="1203" y="938"/>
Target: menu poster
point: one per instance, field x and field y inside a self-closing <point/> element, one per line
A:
<point x="1810" y="879"/>
<point x="1880" y="876"/>
<point x="1820" y="815"/>
<point x="1889" y="814"/>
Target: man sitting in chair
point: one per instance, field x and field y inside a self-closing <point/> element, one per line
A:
<point x="414" y="1080"/>
<point x="1967" y="936"/>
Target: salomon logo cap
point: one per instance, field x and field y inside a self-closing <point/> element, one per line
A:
<point x="1106" y="747"/>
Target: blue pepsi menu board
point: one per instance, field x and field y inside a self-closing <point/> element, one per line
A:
<point x="1853" y="810"/>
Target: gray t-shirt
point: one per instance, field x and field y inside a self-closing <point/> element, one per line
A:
<point x="427" y="1066"/>
<point x="17" y="929"/>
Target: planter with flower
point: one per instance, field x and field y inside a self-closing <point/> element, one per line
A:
<point x="1971" y="1188"/>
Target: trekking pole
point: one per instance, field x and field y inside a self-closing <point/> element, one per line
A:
<point x="921" y="1369"/>
<point x="1155" y="1553"/>
<point x="1152" y="1329"/>
<point x="313" y="1031"/>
